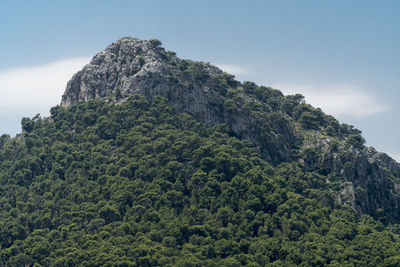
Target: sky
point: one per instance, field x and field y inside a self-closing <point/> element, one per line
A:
<point x="342" y="55"/>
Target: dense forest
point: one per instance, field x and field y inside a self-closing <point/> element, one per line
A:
<point x="139" y="184"/>
<point x="151" y="160"/>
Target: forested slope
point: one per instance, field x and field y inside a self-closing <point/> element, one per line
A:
<point x="139" y="184"/>
<point x="152" y="160"/>
<point x="282" y="128"/>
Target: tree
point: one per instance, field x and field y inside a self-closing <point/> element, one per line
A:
<point x="355" y="140"/>
<point x="155" y="42"/>
<point x="308" y="120"/>
<point x="27" y="124"/>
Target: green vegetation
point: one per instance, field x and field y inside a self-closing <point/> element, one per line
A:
<point x="137" y="184"/>
<point x="155" y="42"/>
<point x="355" y="140"/>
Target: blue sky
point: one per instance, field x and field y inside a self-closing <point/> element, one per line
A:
<point x="342" y="55"/>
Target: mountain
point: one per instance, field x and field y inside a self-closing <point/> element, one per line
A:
<point x="151" y="160"/>
<point x="284" y="128"/>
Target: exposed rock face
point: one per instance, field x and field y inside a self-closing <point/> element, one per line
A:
<point x="371" y="187"/>
<point x="131" y="66"/>
<point x="370" y="180"/>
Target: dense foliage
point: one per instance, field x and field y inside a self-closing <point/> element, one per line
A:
<point x="137" y="184"/>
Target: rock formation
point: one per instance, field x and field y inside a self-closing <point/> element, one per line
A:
<point x="369" y="179"/>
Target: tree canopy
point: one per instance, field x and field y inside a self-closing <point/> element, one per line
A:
<point x="137" y="184"/>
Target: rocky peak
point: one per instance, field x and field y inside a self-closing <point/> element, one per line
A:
<point x="120" y="69"/>
<point x="131" y="66"/>
<point x="264" y="116"/>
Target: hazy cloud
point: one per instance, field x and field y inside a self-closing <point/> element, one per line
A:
<point x="338" y="100"/>
<point x="37" y="88"/>
<point x="395" y="156"/>
<point x="233" y="69"/>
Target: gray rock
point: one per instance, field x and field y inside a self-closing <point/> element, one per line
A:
<point x="132" y="66"/>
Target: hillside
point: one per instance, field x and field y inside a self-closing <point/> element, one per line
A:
<point x="151" y="160"/>
<point x="283" y="128"/>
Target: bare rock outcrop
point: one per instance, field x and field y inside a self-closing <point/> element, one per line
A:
<point x="132" y="66"/>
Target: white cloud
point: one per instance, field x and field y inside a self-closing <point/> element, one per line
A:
<point x="338" y="100"/>
<point x="32" y="90"/>
<point x="233" y="69"/>
<point x="395" y="156"/>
